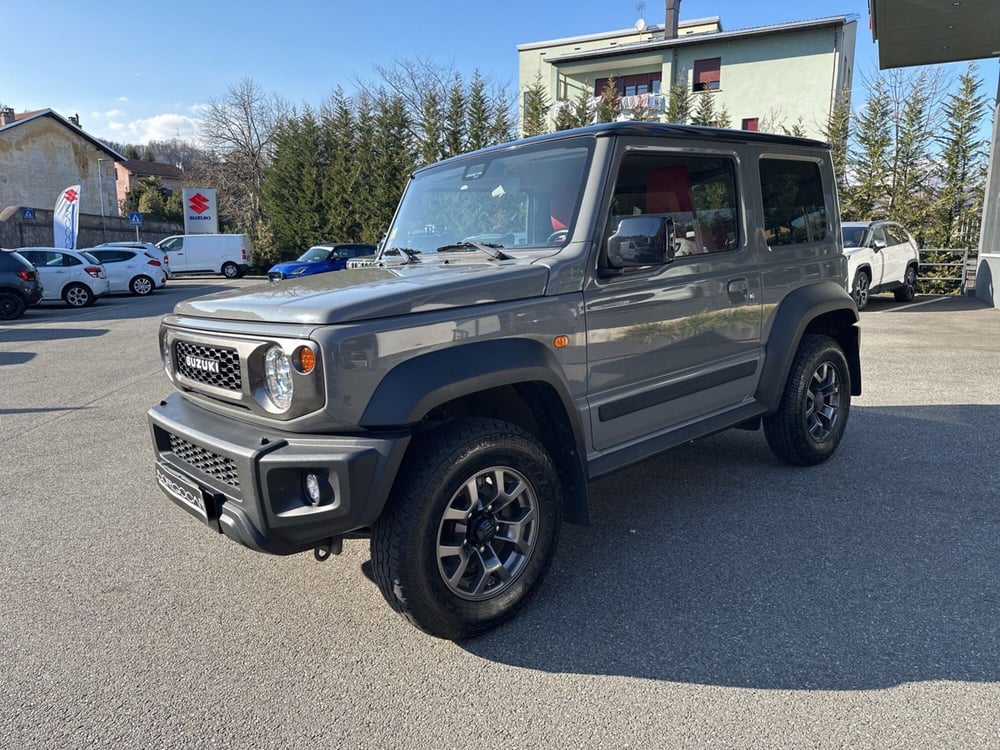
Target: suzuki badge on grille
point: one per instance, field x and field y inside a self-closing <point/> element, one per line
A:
<point x="201" y="363"/>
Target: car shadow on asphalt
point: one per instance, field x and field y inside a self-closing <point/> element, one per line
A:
<point x="716" y="564"/>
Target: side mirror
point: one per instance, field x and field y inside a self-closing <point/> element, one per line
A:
<point x="641" y="241"/>
<point x="878" y="245"/>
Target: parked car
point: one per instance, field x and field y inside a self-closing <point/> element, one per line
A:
<point x="74" y="276"/>
<point x="228" y="254"/>
<point x="320" y="259"/>
<point x="19" y="285"/>
<point x="452" y="401"/>
<point x="130" y="270"/>
<point x="150" y="249"/>
<point x="881" y="257"/>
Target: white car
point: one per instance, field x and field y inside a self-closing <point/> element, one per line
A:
<point x="881" y="257"/>
<point x="147" y="247"/>
<point x="130" y="270"/>
<point x="74" y="276"/>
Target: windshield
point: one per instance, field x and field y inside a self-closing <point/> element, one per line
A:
<point x="853" y="236"/>
<point x="521" y="199"/>
<point x="314" y="254"/>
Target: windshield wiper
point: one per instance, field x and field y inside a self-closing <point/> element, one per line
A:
<point x="409" y="252"/>
<point x="490" y="248"/>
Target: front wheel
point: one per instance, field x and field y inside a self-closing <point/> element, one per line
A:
<point x="906" y="292"/>
<point x="230" y="270"/>
<point x="811" y="417"/>
<point x="861" y="289"/>
<point x="469" y="529"/>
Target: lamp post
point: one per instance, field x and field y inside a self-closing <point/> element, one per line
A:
<point x="100" y="189"/>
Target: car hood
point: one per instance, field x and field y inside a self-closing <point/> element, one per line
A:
<point x="369" y="293"/>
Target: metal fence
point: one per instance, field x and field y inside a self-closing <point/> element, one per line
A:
<point x="956" y="268"/>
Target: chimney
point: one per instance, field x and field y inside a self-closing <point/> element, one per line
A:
<point x="75" y="117"/>
<point x="6" y="116"/>
<point x="670" y="23"/>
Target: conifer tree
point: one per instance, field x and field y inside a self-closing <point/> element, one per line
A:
<point x="869" y="160"/>
<point x="431" y="116"/>
<point x="679" y="104"/>
<point x="534" y="119"/>
<point x="838" y="133"/>
<point x="609" y="102"/>
<point x="342" y="173"/>
<point x="478" y="134"/>
<point x="704" y="113"/>
<point x="502" y="128"/>
<point x="959" y="208"/>
<point x="455" y="119"/>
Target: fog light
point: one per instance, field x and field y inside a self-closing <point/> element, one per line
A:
<point x="313" y="488"/>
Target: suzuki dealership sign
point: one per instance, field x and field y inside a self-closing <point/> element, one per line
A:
<point x="201" y="214"/>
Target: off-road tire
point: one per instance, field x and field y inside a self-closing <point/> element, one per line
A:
<point x="141" y="286"/>
<point x="810" y="420"/>
<point x="230" y="270"/>
<point x="906" y="292"/>
<point x="861" y="289"/>
<point x="12" y="306"/>
<point x="78" y="295"/>
<point x="406" y="544"/>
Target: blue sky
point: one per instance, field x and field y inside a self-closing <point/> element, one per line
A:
<point x="136" y="71"/>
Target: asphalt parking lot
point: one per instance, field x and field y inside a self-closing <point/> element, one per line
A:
<point x="719" y="598"/>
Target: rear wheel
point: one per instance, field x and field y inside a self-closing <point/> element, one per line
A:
<point x="142" y="285"/>
<point x="811" y="418"/>
<point x="11" y="306"/>
<point x="230" y="270"/>
<point x="906" y="292"/>
<point x="78" y="295"/>
<point x="470" y="528"/>
<point x="860" y="289"/>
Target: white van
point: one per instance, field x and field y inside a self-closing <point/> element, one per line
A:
<point x="228" y="254"/>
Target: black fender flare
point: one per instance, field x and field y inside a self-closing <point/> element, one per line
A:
<point x="796" y="313"/>
<point x="413" y="388"/>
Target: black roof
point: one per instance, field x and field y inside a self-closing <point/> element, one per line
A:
<point x="664" y="130"/>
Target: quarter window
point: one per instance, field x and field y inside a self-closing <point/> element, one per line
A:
<point x="794" y="207"/>
<point x="698" y="193"/>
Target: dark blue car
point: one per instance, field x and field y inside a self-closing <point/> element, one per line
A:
<point x="319" y="259"/>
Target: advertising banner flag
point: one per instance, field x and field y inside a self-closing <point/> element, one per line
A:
<point x="201" y="213"/>
<point x="66" y="219"/>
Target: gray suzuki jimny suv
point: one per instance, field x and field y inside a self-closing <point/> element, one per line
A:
<point x="540" y="313"/>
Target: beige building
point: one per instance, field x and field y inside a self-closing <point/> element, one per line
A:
<point x="42" y="153"/>
<point x="766" y="78"/>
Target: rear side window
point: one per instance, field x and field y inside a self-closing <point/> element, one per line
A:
<point x="794" y="207"/>
<point x="697" y="192"/>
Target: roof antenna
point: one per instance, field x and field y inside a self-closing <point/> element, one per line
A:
<point x="640" y="8"/>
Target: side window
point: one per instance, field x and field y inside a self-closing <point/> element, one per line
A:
<point x="174" y="243"/>
<point x="794" y="208"/>
<point x="896" y="235"/>
<point x="878" y="236"/>
<point x="67" y="260"/>
<point x="697" y="192"/>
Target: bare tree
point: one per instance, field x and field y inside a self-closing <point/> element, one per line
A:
<point x="239" y="130"/>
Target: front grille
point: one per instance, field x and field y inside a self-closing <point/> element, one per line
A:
<point x="218" y="366"/>
<point x="204" y="460"/>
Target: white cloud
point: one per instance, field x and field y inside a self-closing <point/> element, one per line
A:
<point x="157" y="128"/>
<point x="123" y="98"/>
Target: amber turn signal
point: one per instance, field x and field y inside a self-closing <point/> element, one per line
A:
<point x="305" y="360"/>
<point x="560" y="341"/>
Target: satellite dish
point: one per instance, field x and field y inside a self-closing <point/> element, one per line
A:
<point x="640" y="25"/>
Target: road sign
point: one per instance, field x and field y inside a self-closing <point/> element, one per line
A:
<point x="28" y="214"/>
<point x="134" y="219"/>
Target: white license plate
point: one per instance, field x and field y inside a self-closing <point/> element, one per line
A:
<point x="182" y="490"/>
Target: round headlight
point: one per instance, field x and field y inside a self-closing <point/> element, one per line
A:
<point x="278" y="377"/>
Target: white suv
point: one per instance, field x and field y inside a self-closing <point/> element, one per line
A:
<point x="881" y="257"/>
<point x="75" y="277"/>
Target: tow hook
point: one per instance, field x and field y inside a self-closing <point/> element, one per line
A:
<point x="332" y="546"/>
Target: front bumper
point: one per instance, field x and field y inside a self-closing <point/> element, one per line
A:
<point x="247" y="482"/>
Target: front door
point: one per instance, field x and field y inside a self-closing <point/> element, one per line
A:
<point x="174" y="248"/>
<point x="671" y="344"/>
